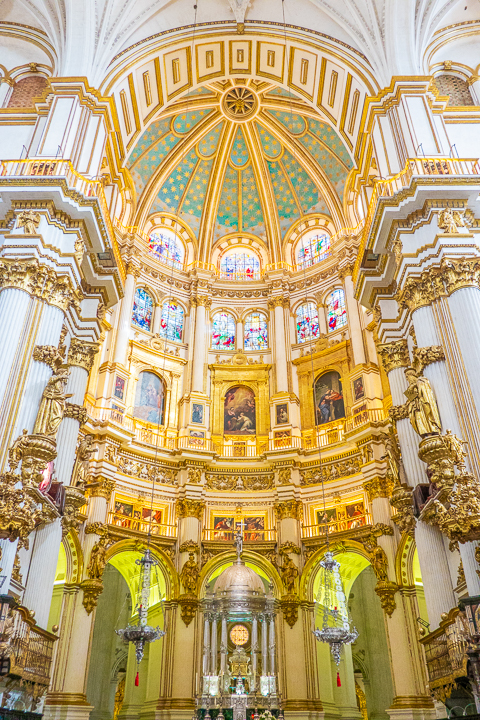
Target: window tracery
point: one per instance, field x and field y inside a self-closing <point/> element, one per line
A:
<point x="336" y="310"/>
<point x="223" y="331"/>
<point x="256" y="332"/>
<point x="142" y="310"/>
<point x="307" y="322"/>
<point x="165" y="245"/>
<point x="239" y="264"/>
<point x="312" y="247"/>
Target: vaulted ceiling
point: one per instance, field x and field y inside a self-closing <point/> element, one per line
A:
<point x="240" y="156"/>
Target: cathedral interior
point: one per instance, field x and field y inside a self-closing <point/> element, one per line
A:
<point x="239" y="384"/>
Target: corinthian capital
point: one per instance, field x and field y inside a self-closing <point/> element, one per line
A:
<point x="82" y="353"/>
<point x="40" y="281"/>
<point x="461" y="273"/>
<point x="394" y="355"/>
<point x="190" y="508"/>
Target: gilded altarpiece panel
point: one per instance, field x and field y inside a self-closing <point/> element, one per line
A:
<point x="335" y="358"/>
<point x="239" y="373"/>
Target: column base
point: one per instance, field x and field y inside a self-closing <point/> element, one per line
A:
<point x="66" y="706"/>
<point x="413" y="707"/>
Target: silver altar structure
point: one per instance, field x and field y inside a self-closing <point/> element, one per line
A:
<point x="238" y="665"/>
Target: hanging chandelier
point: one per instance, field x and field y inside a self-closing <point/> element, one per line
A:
<point x="141" y="633"/>
<point x="336" y="629"/>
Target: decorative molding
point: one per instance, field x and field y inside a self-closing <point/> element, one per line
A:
<point x="424" y="356"/>
<point x="190" y="508"/>
<point x="289" y="509"/>
<point x="40" y="281"/>
<point x="76" y="412"/>
<point x="238" y="482"/>
<point x="378" y="487"/>
<point x="330" y="471"/>
<point x="101" y="486"/>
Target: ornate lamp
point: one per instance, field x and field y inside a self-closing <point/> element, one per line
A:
<point x="336" y="625"/>
<point x="141" y="633"/>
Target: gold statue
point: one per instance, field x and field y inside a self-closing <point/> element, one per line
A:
<point x="97" y="562"/>
<point x="119" y="697"/>
<point x="29" y="220"/>
<point x="449" y="221"/>
<point x="421" y="404"/>
<point x="289" y="574"/>
<point x="52" y="405"/>
<point x="392" y="455"/>
<point x="457" y="450"/>
<point x="82" y="463"/>
<point x="380" y="563"/>
<point x="190" y="573"/>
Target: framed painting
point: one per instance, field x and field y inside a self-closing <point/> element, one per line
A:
<point x="358" y="388"/>
<point x="329" y="404"/>
<point x="355" y="515"/>
<point x="239" y="411"/>
<point x="197" y="413"/>
<point x="254" y="528"/>
<point x="149" y="397"/>
<point x="281" y="413"/>
<point x="119" y="390"/>
<point x="223" y="527"/>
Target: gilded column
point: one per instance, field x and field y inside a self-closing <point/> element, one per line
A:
<point x="356" y="335"/>
<point x="439" y="596"/>
<point x="125" y="319"/>
<point x="203" y="303"/>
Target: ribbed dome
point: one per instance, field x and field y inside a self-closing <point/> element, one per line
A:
<point x="239" y="580"/>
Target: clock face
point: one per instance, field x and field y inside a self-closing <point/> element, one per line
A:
<point x="239" y="635"/>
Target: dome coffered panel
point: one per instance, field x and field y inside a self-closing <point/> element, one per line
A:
<point x="235" y="157"/>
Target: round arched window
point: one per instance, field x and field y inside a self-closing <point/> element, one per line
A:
<point x="171" y="323"/>
<point x="166" y="246"/>
<point x="240" y="263"/>
<point x="312" y="247"/>
<point x="223" y="331"/>
<point x="256" y="332"/>
<point x="307" y="322"/>
<point x="142" y="310"/>
<point x="336" y="310"/>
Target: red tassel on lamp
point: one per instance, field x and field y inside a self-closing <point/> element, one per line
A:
<point x="339" y="682"/>
<point x="137" y="681"/>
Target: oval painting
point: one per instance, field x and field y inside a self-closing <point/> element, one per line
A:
<point x="149" y="398"/>
<point x="239" y="412"/>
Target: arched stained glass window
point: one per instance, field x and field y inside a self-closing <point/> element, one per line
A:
<point x="336" y="311"/>
<point x="307" y="322"/>
<point x="171" y="324"/>
<point x="165" y="245"/>
<point x="256" y="332"/>
<point x="223" y="331"/>
<point x="313" y="247"/>
<point x="240" y="265"/>
<point x="142" y="310"/>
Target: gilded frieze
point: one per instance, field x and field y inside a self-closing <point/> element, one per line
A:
<point x="330" y="471"/>
<point x="239" y="482"/>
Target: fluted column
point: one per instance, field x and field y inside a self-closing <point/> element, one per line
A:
<point x="277" y="305"/>
<point x="436" y="372"/>
<point x="439" y="596"/>
<point x="125" y="319"/>
<point x="213" y="647"/>
<point x="206" y="645"/>
<point x="271" y="645"/>
<point x="264" y="645"/>
<point x="200" y="344"/>
<point x="40" y="576"/>
<point x="254" y="645"/>
<point x="223" y="645"/>
<point x="356" y="336"/>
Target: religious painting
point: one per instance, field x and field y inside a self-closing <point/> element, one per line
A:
<point x="254" y="528"/>
<point x="329" y="404"/>
<point x="239" y="411"/>
<point x="197" y="413"/>
<point x="119" y="391"/>
<point x="153" y="517"/>
<point x="197" y="433"/>
<point x="123" y="513"/>
<point x="149" y="398"/>
<point x="281" y="412"/>
<point x="355" y="515"/>
<point x="358" y="389"/>
<point x="142" y="310"/>
<point x="223" y="527"/>
<point x="327" y="517"/>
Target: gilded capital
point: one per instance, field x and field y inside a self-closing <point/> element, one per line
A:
<point x="426" y="355"/>
<point x="417" y="292"/>
<point x="462" y="273"/>
<point x="346" y="271"/>
<point x="394" y="355"/>
<point x="378" y="487"/>
<point x="82" y="353"/>
<point x="190" y="508"/>
<point x="101" y="487"/>
<point x="289" y="509"/>
<point x="204" y="300"/>
<point x="133" y="269"/>
<point x="40" y="281"/>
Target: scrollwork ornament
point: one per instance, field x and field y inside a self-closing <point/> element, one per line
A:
<point x="76" y="412"/>
<point x="398" y="412"/>
<point x="289" y="604"/>
<point x="461" y="273"/>
<point x="386" y="590"/>
<point x="402" y="501"/>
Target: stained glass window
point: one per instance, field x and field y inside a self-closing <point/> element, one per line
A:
<point x="336" y="312"/>
<point x="165" y="245"/>
<point x="171" y="324"/>
<point x="312" y="248"/>
<point x="256" y="332"/>
<point x="223" y="331"/>
<point x="142" y="310"/>
<point x="307" y="322"/>
<point x="240" y="265"/>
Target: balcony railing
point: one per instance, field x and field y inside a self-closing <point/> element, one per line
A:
<point x="57" y="167"/>
<point x="445" y="653"/>
<point x="335" y="526"/>
<point x="365" y="417"/>
<point x="142" y="526"/>
<point x="28" y="648"/>
<point x="414" y="167"/>
<point x="228" y="536"/>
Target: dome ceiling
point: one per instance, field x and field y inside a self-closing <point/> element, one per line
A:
<point x="245" y="158"/>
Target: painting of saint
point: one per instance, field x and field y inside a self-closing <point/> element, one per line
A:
<point x="282" y="413"/>
<point x="254" y="528"/>
<point x="149" y="398"/>
<point x="355" y="515"/>
<point x="152" y="516"/>
<point x="223" y="528"/>
<point x="329" y="403"/>
<point x="119" y="387"/>
<point x="239" y="412"/>
<point x="197" y="413"/>
<point x="123" y="513"/>
<point x="358" y="389"/>
<point x="326" y="517"/>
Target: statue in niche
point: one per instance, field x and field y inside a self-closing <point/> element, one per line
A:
<point x="29" y="221"/>
<point x="289" y="574"/>
<point x="190" y="573"/>
<point x="97" y="562"/>
<point x="52" y="405"/>
<point x="421" y="404"/>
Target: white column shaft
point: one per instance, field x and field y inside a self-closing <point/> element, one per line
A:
<point x="125" y="321"/>
<point x="206" y="646"/>
<point x="322" y="320"/>
<point x="224" y="641"/>
<point x="68" y="432"/>
<point x="271" y="645"/>
<point x="239" y="337"/>
<point x="354" y="325"/>
<point x="157" y="318"/>
<point x="40" y="576"/>
<point x="280" y="350"/>
<point x="199" y="349"/>
<point x="437" y="583"/>
<point x="213" y="648"/>
<point x="254" y="645"/>
<point x="265" y="646"/>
